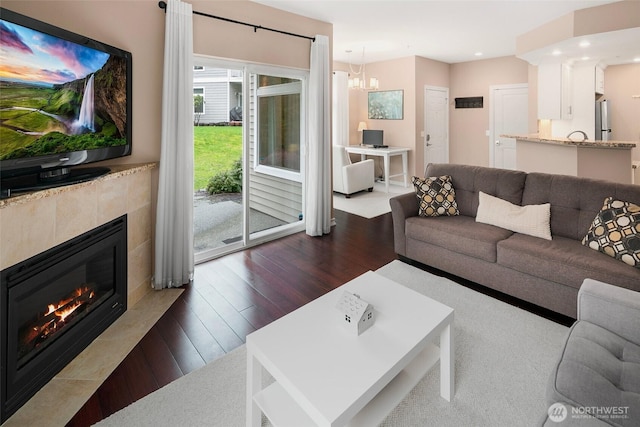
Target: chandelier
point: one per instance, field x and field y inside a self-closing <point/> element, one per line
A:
<point x="358" y="79"/>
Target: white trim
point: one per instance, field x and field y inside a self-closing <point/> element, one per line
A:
<point x="298" y="87"/>
<point x="277" y="172"/>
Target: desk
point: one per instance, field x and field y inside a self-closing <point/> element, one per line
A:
<point x="386" y="153"/>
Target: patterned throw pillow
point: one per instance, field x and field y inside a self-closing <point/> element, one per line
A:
<point x="436" y="196"/>
<point x="615" y="231"/>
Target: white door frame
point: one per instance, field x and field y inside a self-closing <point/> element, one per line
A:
<point x="423" y="134"/>
<point x="492" y="132"/>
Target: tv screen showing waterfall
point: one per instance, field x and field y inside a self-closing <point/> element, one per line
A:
<point x="65" y="99"/>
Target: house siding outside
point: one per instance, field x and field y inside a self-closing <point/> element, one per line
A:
<point x="222" y="89"/>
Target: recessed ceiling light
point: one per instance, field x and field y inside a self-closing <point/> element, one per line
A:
<point x="585" y="58"/>
<point x="556" y="52"/>
<point x="636" y="59"/>
<point x="478" y="54"/>
<point x="585" y="43"/>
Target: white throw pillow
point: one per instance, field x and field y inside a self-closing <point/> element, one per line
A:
<point x="531" y="219"/>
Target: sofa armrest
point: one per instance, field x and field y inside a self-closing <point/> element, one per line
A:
<point x="358" y="176"/>
<point x="611" y="307"/>
<point x="402" y="207"/>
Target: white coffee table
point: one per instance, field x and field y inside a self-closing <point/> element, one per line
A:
<point x="327" y="376"/>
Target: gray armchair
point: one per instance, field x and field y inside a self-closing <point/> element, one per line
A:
<point x="349" y="178"/>
<point x="599" y="369"/>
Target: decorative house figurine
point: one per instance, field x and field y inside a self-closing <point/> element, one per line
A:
<point x="357" y="314"/>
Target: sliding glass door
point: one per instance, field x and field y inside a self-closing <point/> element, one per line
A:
<point x="249" y="144"/>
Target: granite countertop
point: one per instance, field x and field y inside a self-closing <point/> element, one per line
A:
<point x="565" y="141"/>
<point x="116" y="172"/>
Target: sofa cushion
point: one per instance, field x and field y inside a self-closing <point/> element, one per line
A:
<point x="470" y="180"/>
<point x="564" y="261"/>
<point x="598" y="369"/>
<point x="436" y="196"/>
<point x="615" y="231"/>
<point x="531" y="219"/>
<point x="574" y="201"/>
<point x="459" y="234"/>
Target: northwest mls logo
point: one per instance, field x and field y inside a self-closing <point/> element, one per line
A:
<point x="557" y="412"/>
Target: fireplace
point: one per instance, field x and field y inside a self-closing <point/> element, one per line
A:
<point x="55" y="304"/>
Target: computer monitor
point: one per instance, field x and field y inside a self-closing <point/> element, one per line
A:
<point x="372" y="137"/>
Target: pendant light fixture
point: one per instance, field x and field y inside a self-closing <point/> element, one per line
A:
<point x="358" y="79"/>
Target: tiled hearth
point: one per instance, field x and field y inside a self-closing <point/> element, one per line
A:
<point x="34" y="222"/>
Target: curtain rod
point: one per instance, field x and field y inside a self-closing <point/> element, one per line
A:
<point x="163" y="5"/>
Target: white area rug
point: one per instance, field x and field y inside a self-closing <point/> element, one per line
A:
<point x="504" y="356"/>
<point x="370" y="205"/>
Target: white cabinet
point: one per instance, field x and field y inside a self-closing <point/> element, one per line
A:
<point x="599" y="81"/>
<point x="566" y="103"/>
<point x="555" y="91"/>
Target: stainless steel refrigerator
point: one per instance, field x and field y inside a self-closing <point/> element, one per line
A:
<point x="603" y="120"/>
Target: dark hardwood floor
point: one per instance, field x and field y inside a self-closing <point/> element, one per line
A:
<point x="233" y="296"/>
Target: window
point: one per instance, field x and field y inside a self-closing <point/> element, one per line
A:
<point x="198" y="100"/>
<point x="279" y="125"/>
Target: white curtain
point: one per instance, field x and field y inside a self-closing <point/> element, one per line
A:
<point x="174" y="260"/>
<point x="318" y="210"/>
<point x="340" y="111"/>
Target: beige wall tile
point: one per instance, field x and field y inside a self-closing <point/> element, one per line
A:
<point x="138" y="190"/>
<point x="139" y="271"/>
<point x="76" y="212"/>
<point x="137" y="293"/>
<point x="112" y="201"/>
<point x="26" y="229"/>
<point x="139" y="226"/>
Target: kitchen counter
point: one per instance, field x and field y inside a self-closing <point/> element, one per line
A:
<point x="608" y="160"/>
<point x="568" y="142"/>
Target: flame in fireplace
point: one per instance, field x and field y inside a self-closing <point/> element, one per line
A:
<point x="65" y="312"/>
<point x="54" y="318"/>
<point x="65" y="307"/>
<point x="52" y="321"/>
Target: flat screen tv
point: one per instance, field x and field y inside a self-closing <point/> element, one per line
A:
<point x="65" y="100"/>
<point x="373" y="137"/>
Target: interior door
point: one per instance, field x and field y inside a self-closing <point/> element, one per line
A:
<point x="436" y="125"/>
<point x="509" y="116"/>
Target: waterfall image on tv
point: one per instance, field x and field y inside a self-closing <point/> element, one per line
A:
<point x="57" y="96"/>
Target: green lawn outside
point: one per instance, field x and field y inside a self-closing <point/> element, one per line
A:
<point x="215" y="148"/>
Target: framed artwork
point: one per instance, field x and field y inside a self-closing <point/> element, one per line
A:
<point x="386" y="105"/>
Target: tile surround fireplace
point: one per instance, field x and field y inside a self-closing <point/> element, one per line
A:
<point x="36" y="222"/>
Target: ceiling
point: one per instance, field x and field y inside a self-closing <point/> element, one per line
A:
<point x="450" y="31"/>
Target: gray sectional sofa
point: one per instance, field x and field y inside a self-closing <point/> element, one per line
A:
<point x="596" y="381"/>
<point x="547" y="273"/>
